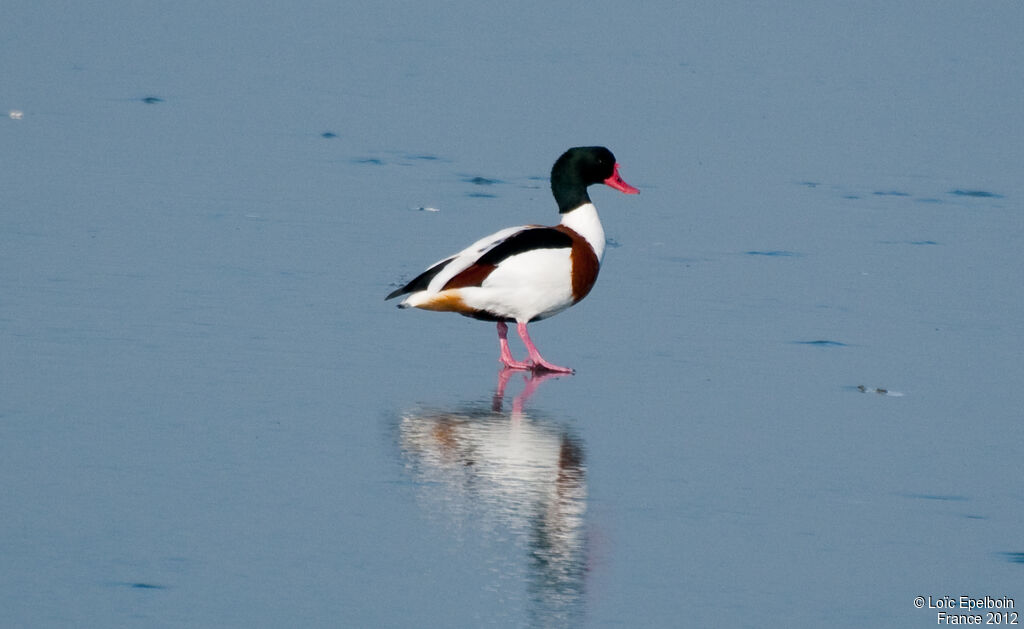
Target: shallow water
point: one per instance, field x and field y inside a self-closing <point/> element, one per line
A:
<point x="797" y="400"/>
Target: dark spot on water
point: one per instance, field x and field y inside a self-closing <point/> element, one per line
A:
<point x="482" y="195"/>
<point x="481" y="181"/>
<point x="939" y="497"/>
<point x="368" y="160"/>
<point x="140" y="585"/>
<point x="328" y="135"/>
<point x="821" y="343"/>
<point x="980" y="194"/>
<point x="907" y="242"/>
<point x="1013" y="557"/>
<point x="425" y="157"/>
<point x="152" y="100"/>
<point x="611" y="242"/>
<point x="891" y="193"/>
<point x="774" y="254"/>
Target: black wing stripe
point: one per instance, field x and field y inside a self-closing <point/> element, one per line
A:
<point x="526" y="240"/>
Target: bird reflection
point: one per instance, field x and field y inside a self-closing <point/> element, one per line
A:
<point x="510" y="471"/>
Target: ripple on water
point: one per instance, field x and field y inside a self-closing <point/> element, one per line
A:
<point x="482" y="181"/>
<point x="939" y="497"/>
<point x="978" y="194"/>
<point x="781" y="253"/>
<point x="821" y="343"/>
<point x="1014" y="557"/>
<point x="138" y="585"/>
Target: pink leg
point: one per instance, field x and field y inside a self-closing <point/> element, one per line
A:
<point x="539" y="364"/>
<point x="506" y="353"/>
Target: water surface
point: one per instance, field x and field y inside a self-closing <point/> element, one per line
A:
<point x="210" y="417"/>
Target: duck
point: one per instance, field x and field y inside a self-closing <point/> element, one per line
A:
<point x="531" y="272"/>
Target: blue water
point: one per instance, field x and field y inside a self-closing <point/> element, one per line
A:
<point x="787" y="411"/>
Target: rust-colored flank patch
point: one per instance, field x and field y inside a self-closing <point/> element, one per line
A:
<point x="585" y="264"/>
<point x="447" y="301"/>
<point x="473" y="276"/>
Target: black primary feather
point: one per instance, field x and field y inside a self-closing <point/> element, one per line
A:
<point x="421" y="281"/>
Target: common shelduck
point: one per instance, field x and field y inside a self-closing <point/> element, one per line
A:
<point x="532" y="272"/>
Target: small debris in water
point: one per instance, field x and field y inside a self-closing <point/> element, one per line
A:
<point x="16" y="114"/>
<point x="426" y="208"/>
<point x="328" y="135"/>
<point x="152" y="100"/>
<point x="879" y="391"/>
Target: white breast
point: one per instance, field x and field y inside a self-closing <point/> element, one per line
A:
<point x="585" y="222"/>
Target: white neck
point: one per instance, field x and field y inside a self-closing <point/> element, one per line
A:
<point x="585" y="222"/>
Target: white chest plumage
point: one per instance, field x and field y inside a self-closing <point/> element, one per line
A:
<point x="585" y="222"/>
